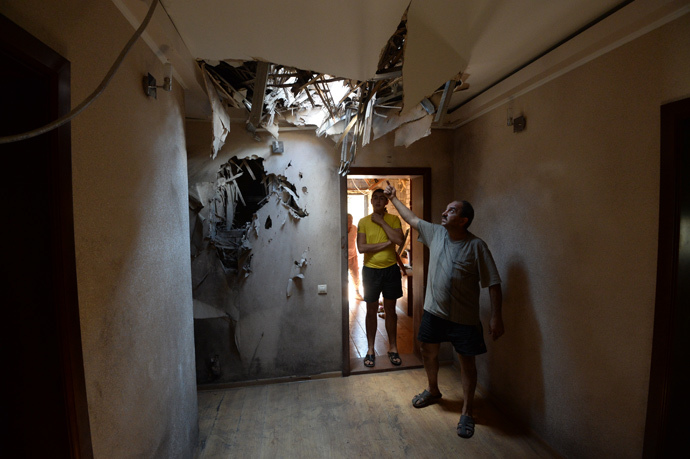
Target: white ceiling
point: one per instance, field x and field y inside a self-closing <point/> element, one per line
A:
<point x="487" y="39"/>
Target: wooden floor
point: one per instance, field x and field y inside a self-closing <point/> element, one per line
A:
<point x="367" y="415"/>
<point x="358" y="338"/>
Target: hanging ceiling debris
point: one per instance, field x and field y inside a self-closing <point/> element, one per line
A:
<point x="351" y="112"/>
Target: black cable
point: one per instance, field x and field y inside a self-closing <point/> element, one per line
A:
<point x="97" y="92"/>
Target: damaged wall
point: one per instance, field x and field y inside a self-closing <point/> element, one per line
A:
<point x="250" y="323"/>
<point x="247" y="318"/>
<point x="569" y="208"/>
<point x="131" y="234"/>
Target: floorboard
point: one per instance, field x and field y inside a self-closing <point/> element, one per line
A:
<point x="367" y="415"/>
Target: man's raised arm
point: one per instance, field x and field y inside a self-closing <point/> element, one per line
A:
<point x="404" y="212"/>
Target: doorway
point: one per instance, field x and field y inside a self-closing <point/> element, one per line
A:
<point x="668" y="400"/>
<point x="47" y="413"/>
<point x="413" y="187"/>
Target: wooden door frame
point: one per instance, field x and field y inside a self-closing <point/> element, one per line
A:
<point x="19" y="44"/>
<point x="425" y="174"/>
<point x="668" y="310"/>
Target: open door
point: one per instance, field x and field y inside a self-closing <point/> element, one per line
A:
<point x="414" y="286"/>
<point x="46" y="413"/>
<point x="668" y="402"/>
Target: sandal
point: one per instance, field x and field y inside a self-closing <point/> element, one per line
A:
<point x="466" y="426"/>
<point x="424" y="399"/>
<point x="369" y="360"/>
<point x="395" y="358"/>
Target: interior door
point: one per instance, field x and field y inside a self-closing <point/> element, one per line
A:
<point x="46" y="414"/>
<point x="669" y="399"/>
<point x="420" y="199"/>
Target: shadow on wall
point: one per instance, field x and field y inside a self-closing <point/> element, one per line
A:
<point x="515" y="372"/>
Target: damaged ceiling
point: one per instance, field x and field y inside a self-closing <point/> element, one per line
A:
<point x="486" y="40"/>
<point x="360" y="69"/>
<point x="351" y="112"/>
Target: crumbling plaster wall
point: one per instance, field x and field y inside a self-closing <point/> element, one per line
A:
<point x="276" y="335"/>
<point x="131" y="234"/>
<point x="298" y="335"/>
<point x="570" y="209"/>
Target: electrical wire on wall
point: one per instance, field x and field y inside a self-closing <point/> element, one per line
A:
<point x="97" y="92"/>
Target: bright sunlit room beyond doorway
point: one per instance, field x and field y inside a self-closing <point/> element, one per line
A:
<point x="359" y="191"/>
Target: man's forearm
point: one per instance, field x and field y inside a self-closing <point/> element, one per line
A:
<point x="496" y="328"/>
<point x="373" y="248"/>
<point x="395" y="236"/>
<point x="405" y="213"/>
<point x="496" y="298"/>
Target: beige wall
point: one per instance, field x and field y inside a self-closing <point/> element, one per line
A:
<point x="569" y="208"/>
<point x="131" y="234"/>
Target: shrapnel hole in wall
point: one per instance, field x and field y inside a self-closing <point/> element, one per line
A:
<point x="240" y="192"/>
<point x="224" y="214"/>
<point x="242" y="188"/>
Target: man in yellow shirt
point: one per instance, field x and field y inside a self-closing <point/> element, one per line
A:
<point x="377" y="236"/>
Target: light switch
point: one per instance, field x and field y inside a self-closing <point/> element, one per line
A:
<point x="323" y="289"/>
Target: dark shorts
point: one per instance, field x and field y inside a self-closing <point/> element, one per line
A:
<point x="466" y="339"/>
<point x="377" y="281"/>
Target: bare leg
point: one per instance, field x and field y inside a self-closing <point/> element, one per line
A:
<point x="371" y="325"/>
<point x="391" y="324"/>
<point x="430" y="356"/>
<point x="354" y="272"/>
<point x="468" y="377"/>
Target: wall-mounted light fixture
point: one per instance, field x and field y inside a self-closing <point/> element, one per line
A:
<point x="150" y="88"/>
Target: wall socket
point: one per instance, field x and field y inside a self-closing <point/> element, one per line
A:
<point x="323" y="289"/>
